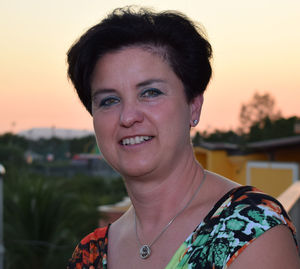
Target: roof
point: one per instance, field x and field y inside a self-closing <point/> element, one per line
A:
<point x="233" y="149"/>
<point x="219" y="145"/>
<point x="275" y="143"/>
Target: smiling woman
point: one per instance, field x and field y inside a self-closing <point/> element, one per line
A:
<point x="142" y="75"/>
<point x="136" y="93"/>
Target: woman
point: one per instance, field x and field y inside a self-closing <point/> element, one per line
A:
<point x="142" y="75"/>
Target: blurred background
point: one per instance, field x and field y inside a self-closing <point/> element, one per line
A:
<point x="56" y="185"/>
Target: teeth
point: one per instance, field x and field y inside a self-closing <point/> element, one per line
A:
<point x="135" y="140"/>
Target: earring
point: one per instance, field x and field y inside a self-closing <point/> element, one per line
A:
<point x="195" y="122"/>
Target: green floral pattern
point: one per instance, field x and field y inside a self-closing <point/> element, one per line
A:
<point x="236" y="220"/>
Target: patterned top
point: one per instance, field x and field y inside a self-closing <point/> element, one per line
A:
<point x="236" y="220"/>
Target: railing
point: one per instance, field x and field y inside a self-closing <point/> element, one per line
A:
<point x="290" y="199"/>
<point x="2" y="172"/>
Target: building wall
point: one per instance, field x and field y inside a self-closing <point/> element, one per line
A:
<point x="219" y="163"/>
<point x="216" y="161"/>
<point x="231" y="167"/>
<point x="201" y="156"/>
<point x="269" y="179"/>
<point x="240" y="165"/>
<point x="288" y="155"/>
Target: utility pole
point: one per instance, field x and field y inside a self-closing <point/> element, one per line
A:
<point x="2" y="173"/>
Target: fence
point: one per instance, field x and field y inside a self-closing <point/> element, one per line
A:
<point x="290" y="199"/>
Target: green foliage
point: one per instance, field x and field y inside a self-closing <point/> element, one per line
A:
<point x="96" y="190"/>
<point x="224" y="136"/>
<point x="36" y="216"/>
<point x="268" y="129"/>
<point x="11" y="155"/>
<point x="58" y="147"/>
<point x="45" y="217"/>
<point x="13" y="145"/>
<point x="82" y="145"/>
<point x="12" y="150"/>
<point x="11" y="139"/>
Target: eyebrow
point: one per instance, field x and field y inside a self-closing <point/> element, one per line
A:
<point x="150" y="81"/>
<point x="101" y="91"/>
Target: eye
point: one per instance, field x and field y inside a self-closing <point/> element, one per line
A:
<point x="150" y="93"/>
<point x="108" y="101"/>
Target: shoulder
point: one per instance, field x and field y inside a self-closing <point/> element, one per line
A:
<point x="236" y="221"/>
<point x="91" y="250"/>
<point x="254" y="211"/>
<point x="247" y="213"/>
<point x="255" y="207"/>
<point x="274" y="249"/>
<point x="99" y="234"/>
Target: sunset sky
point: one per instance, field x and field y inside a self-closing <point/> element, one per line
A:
<point x="256" y="47"/>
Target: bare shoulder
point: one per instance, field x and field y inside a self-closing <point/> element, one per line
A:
<point x="214" y="188"/>
<point x="273" y="249"/>
<point x="219" y="184"/>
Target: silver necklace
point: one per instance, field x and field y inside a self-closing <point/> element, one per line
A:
<point x="145" y="250"/>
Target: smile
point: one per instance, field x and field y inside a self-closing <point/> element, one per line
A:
<point x="135" y="140"/>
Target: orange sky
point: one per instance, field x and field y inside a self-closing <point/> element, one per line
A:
<point x="256" y="48"/>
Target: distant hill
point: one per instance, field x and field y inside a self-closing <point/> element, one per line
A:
<point x="37" y="133"/>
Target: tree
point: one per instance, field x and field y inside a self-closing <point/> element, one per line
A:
<point x="267" y="129"/>
<point x="256" y="110"/>
<point x="43" y="222"/>
<point x="45" y="217"/>
<point x="223" y="137"/>
<point x="11" y="139"/>
<point x="11" y="155"/>
<point x="82" y="145"/>
<point x="12" y="149"/>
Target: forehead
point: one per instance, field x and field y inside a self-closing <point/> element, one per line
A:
<point x="131" y="63"/>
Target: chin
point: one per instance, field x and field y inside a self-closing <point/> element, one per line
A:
<point x="135" y="171"/>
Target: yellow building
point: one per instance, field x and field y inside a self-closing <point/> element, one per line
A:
<point x="271" y="165"/>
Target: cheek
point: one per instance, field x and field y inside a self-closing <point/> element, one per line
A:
<point x="172" y="113"/>
<point x="103" y="127"/>
<point x="173" y="122"/>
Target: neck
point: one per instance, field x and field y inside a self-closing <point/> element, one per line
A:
<point x="157" y="201"/>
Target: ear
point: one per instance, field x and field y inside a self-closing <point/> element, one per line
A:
<point x="195" y="109"/>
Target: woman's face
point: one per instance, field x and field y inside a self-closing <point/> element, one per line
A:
<point x="140" y="113"/>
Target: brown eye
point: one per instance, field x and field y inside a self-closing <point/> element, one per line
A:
<point x="109" y="101"/>
<point x="152" y="92"/>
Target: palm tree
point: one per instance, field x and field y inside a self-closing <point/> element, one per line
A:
<point x="43" y="223"/>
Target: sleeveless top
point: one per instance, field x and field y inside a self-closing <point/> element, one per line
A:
<point x="236" y="220"/>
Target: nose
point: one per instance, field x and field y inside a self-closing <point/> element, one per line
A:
<point x="130" y="115"/>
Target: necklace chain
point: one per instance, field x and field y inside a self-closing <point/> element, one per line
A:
<point x="145" y="250"/>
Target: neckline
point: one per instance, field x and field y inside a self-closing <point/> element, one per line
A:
<point x="205" y="220"/>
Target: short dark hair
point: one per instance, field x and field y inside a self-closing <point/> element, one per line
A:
<point x="187" y="50"/>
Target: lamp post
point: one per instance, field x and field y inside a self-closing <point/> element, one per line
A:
<point x="2" y="173"/>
